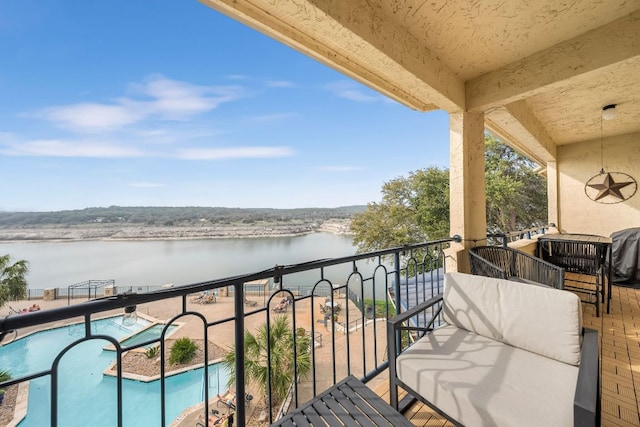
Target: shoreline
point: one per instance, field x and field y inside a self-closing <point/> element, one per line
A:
<point x="151" y="233"/>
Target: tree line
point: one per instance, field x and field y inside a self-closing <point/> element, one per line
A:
<point x="170" y="216"/>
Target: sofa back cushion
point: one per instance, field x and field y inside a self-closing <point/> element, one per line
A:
<point x="542" y="320"/>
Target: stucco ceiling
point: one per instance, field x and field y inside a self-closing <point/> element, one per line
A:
<point x="540" y="70"/>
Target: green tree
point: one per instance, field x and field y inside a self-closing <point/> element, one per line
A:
<point x="13" y="285"/>
<point x="280" y="344"/>
<point x="412" y="210"/>
<point x="516" y="194"/>
<point x="416" y="208"/>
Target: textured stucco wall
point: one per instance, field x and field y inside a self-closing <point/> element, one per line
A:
<point x="577" y="163"/>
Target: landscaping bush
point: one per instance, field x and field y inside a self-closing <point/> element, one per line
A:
<point x="380" y="307"/>
<point x="182" y="351"/>
<point x="4" y="376"/>
<point x="152" y="352"/>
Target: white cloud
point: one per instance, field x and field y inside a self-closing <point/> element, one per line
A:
<point x="12" y="145"/>
<point x="234" y="153"/>
<point x="352" y="91"/>
<point x="156" y="98"/>
<point x="58" y="148"/>
<point x="146" y="184"/>
<point x="174" y="99"/>
<point x="280" y="83"/>
<point x="152" y="132"/>
<point x="175" y="134"/>
<point x="92" y="117"/>
<point x="271" y="118"/>
<point x="339" y="168"/>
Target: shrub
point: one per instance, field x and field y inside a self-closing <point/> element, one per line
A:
<point x="152" y="352"/>
<point x="4" y="376"/>
<point x="182" y="351"/>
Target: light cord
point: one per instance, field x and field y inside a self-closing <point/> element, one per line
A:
<point x="601" y="148"/>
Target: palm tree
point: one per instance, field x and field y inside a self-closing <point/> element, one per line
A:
<point x="4" y="376"/>
<point x="13" y="284"/>
<point x="280" y="345"/>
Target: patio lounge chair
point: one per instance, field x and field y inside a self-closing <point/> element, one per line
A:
<point x="282" y="305"/>
<point x="501" y="355"/>
<point x="228" y="398"/>
<point x="514" y="265"/>
<point x="216" y="420"/>
<point x="209" y="298"/>
<point x="198" y="298"/>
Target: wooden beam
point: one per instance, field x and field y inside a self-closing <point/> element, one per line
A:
<point x="525" y="132"/>
<point x="553" y="68"/>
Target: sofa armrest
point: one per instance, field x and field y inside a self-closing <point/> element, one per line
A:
<point x="396" y="321"/>
<point x="586" y="404"/>
<point x="394" y="325"/>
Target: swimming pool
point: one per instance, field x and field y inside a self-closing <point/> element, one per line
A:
<point x="152" y="332"/>
<point x="85" y="395"/>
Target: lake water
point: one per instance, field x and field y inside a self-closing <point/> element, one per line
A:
<point x="159" y="262"/>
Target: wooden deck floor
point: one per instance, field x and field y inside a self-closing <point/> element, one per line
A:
<point x="620" y="363"/>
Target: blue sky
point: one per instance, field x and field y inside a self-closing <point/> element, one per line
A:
<point x="170" y="103"/>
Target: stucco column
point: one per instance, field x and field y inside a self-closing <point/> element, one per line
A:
<point x="468" y="207"/>
<point x="553" y="211"/>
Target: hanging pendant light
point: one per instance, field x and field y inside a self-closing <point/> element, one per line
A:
<point x="609" y="112"/>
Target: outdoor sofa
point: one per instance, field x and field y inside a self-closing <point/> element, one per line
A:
<point x="505" y="354"/>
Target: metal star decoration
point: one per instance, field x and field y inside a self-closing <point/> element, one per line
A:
<point x="610" y="188"/>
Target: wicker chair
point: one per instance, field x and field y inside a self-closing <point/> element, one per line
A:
<point x="511" y="264"/>
<point x="585" y="259"/>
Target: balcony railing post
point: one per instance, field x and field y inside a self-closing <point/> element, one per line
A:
<point x="239" y="337"/>
<point x="396" y="293"/>
<point x="394" y="335"/>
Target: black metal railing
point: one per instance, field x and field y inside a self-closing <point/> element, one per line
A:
<point x="410" y="274"/>
<point x="503" y="239"/>
<point x="90" y="288"/>
<point x="87" y="292"/>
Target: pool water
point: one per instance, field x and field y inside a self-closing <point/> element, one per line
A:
<point x="85" y="395"/>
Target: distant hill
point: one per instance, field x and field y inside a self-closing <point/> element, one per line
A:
<point x="173" y="216"/>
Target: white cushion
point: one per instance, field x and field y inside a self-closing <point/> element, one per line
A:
<point x="481" y="382"/>
<point x="543" y="320"/>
